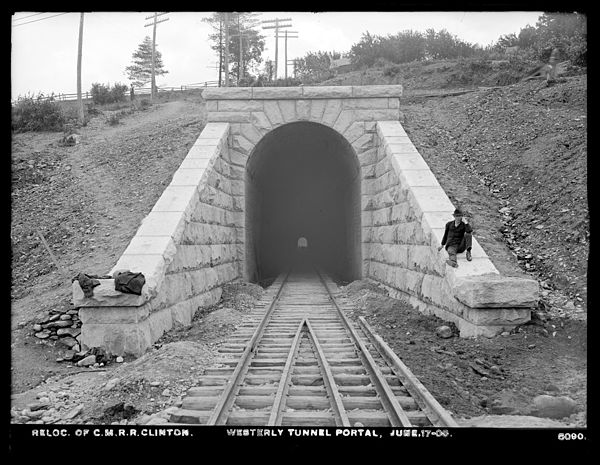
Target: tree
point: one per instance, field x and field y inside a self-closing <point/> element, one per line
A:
<point x="252" y="42"/>
<point x="313" y="67"/>
<point x="140" y="72"/>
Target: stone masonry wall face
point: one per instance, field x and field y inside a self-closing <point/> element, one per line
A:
<point x="404" y="213"/>
<point x="187" y="248"/>
<point x="354" y="117"/>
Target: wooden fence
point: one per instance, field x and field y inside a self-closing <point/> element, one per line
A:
<point x="138" y="91"/>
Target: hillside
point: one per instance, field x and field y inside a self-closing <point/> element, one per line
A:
<point x="515" y="157"/>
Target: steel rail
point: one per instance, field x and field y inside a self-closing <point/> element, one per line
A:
<point x="341" y="417"/>
<point x="396" y="413"/>
<point x="437" y="414"/>
<point x="284" y="383"/>
<point x="227" y="397"/>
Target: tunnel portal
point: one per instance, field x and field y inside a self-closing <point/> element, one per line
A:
<point x="303" y="180"/>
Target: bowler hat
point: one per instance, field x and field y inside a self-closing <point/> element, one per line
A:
<point x="457" y="212"/>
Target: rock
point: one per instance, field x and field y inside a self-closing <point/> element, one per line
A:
<point x="111" y="384"/>
<point x="36" y="414"/>
<point x="45" y="334"/>
<point x="144" y="419"/>
<point x="155" y="383"/>
<point x="569" y="305"/>
<point x="87" y="361"/>
<point x="119" y="359"/>
<point x="39" y="405"/>
<point x="73" y="332"/>
<point x="545" y="406"/>
<point x="166" y="392"/>
<point x="68" y="355"/>
<point x="60" y="324"/>
<point x="508" y="402"/>
<point x="42" y="394"/>
<point x="444" y="332"/>
<point x="68" y="341"/>
<point x="551" y="388"/>
<point x="505" y="333"/>
<point x="37" y="328"/>
<point x="73" y="412"/>
<point x="65" y="317"/>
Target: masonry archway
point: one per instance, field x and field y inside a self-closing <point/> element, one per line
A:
<point x="303" y="180"/>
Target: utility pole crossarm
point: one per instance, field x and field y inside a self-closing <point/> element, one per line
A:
<point x="152" y="23"/>
<point x="276" y="24"/>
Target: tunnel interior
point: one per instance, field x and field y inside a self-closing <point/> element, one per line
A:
<point x="303" y="181"/>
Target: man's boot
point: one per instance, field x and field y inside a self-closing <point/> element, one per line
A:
<point x="452" y="264"/>
<point x="469" y="258"/>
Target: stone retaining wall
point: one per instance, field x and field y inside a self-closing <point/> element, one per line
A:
<point x="188" y="246"/>
<point x="405" y="212"/>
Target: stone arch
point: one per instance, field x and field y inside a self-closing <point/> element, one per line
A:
<point x="303" y="179"/>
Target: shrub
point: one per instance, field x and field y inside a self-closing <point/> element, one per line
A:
<point x="103" y="94"/>
<point x="144" y="103"/>
<point x="113" y="119"/>
<point x="391" y="70"/>
<point x="37" y="114"/>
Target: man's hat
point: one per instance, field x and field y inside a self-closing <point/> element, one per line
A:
<point x="457" y="212"/>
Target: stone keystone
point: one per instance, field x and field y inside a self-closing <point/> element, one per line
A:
<point x="496" y="291"/>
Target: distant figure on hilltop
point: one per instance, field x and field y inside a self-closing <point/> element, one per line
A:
<point x="457" y="238"/>
<point x="132" y="93"/>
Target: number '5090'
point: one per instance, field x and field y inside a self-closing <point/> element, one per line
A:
<point x="568" y="436"/>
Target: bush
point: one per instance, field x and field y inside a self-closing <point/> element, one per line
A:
<point x="37" y="114"/>
<point x="103" y="94"/>
<point x="113" y="119"/>
<point x="144" y="103"/>
<point x="391" y="70"/>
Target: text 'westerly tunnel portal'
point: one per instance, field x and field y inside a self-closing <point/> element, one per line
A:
<point x="303" y="180"/>
<point x="331" y="165"/>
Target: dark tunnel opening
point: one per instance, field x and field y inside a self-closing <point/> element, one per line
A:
<point x="303" y="180"/>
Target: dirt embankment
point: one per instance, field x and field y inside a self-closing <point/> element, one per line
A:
<point x="515" y="157"/>
<point x="87" y="200"/>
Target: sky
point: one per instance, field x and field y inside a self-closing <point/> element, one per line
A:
<point x="44" y="51"/>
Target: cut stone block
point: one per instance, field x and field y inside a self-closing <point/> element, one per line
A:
<point x="495" y="291"/>
<point x="327" y="92"/>
<point x="177" y="199"/>
<point x="105" y="295"/>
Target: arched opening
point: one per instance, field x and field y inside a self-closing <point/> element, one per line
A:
<point x="303" y="181"/>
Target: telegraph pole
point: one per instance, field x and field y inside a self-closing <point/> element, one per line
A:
<point x="79" y="50"/>
<point x="276" y="26"/>
<point x="241" y="62"/>
<point x="288" y="36"/>
<point x="153" y="24"/>
<point x="226" y="49"/>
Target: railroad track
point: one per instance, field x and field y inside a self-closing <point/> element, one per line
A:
<point x="298" y="361"/>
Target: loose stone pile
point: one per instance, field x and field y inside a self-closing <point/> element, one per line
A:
<point x="62" y="326"/>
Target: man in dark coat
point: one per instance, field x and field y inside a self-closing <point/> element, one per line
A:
<point x="457" y="238"/>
